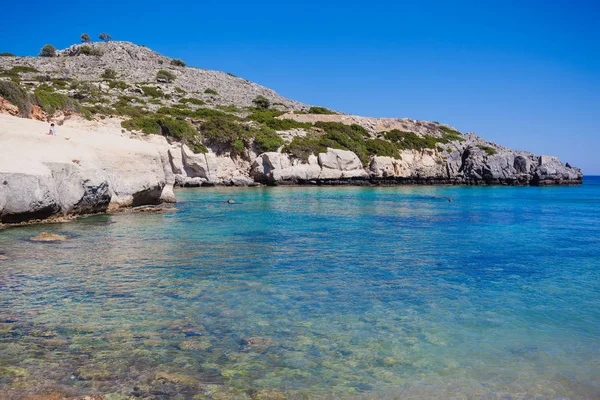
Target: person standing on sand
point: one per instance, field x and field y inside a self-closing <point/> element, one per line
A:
<point x="52" y="130"/>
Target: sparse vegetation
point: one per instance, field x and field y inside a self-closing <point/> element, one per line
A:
<point x="267" y="139"/>
<point x="380" y="147"/>
<point x="109" y="74"/>
<point x="201" y="113"/>
<point x="7" y="55"/>
<point x="16" y="95"/>
<point x="177" y="62"/>
<point x="451" y="135"/>
<point x="152" y="91"/>
<point x="85" y="38"/>
<point x="189" y="100"/>
<point x="48" y="51"/>
<point x="86" y="50"/>
<point x="165" y="76"/>
<point x="320" y="110"/>
<point x="51" y="101"/>
<point x="337" y="136"/>
<point x="211" y="91"/>
<point x="118" y="85"/>
<point x="411" y="141"/>
<point x="226" y="134"/>
<point x="18" y="69"/>
<point x="268" y="117"/>
<point x="489" y="150"/>
<point x="261" y="102"/>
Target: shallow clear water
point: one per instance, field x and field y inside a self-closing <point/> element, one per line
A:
<point x="308" y="292"/>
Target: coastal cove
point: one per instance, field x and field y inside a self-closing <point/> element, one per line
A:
<point x="311" y="292"/>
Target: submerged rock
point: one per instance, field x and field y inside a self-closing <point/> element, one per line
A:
<point x="49" y="237"/>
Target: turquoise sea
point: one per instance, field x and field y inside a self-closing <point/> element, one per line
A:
<point x="312" y="292"/>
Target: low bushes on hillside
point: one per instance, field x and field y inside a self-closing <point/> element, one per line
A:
<point x="226" y="135"/>
<point x="17" y="96"/>
<point x="336" y="135"/>
<point x="261" y="102"/>
<point x="211" y="91"/>
<point x="490" y="151"/>
<point x="109" y="74"/>
<point x="267" y="139"/>
<point x="177" y="62"/>
<point x="268" y="118"/>
<point x="189" y="100"/>
<point x="165" y="76"/>
<point x="86" y="50"/>
<point x="152" y="91"/>
<point x="51" y="101"/>
<point x="320" y="110"/>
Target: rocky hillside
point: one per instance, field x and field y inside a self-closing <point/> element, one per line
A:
<point x="212" y="128"/>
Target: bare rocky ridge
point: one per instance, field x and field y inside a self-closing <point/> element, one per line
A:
<point x="96" y="165"/>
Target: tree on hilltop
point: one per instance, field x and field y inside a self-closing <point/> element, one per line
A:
<point x="105" y="37"/>
<point x="85" y="38"/>
<point x="48" y="51"/>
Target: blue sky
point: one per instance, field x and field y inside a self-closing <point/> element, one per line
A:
<point x="524" y="75"/>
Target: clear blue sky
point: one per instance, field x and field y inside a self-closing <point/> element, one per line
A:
<point x="523" y="74"/>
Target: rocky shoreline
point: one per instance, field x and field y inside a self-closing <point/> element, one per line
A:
<point x="83" y="171"/>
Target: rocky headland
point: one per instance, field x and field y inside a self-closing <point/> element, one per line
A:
<point x="132" y="124"/>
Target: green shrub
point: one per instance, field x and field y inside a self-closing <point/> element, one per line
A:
<point x="189" y="100"/>
<point x="490" y="151"/>
<point x="118" y="85"/>
<point x="161" y="125"/>
<point x="177" y="62"/>
<point x="451" y="135"/>
<point x="346" y="137"/>
<point x="48" y="51"/>
<point x="226" y="134"/>
<point x="22" y="69"/>
<point x="165" y="76"/>
<point x="410" y="140"/>
<point x="61" y="83"/>
<point x="109" y="74"/>
<point x="86" y="50"/>
<point x="379" y="147"/>
<point x="268" y="117"/>
<point x="230" y="109"/>
<point x="320" y="110"/>
<point x="230" y="74"/>
<point x="211" y="91"/>
<point x="179" y="90"/>
<point x="267" y="139"/>
<point x="51" y="101"/>
<point x="17" y="96"/>
<point x="7" y="55"/>
<point x="152" y="91"/>
<point x="201" y="113"/>
<point x="336" y="136"/>
<point x="262" y="102"/>
<point x="303" y="146"/>
<point x="85" y="38"/>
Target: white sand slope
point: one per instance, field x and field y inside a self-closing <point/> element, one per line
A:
<point x="80" y="170"/>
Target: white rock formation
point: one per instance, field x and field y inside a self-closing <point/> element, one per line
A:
<point x="77" y="171"/>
